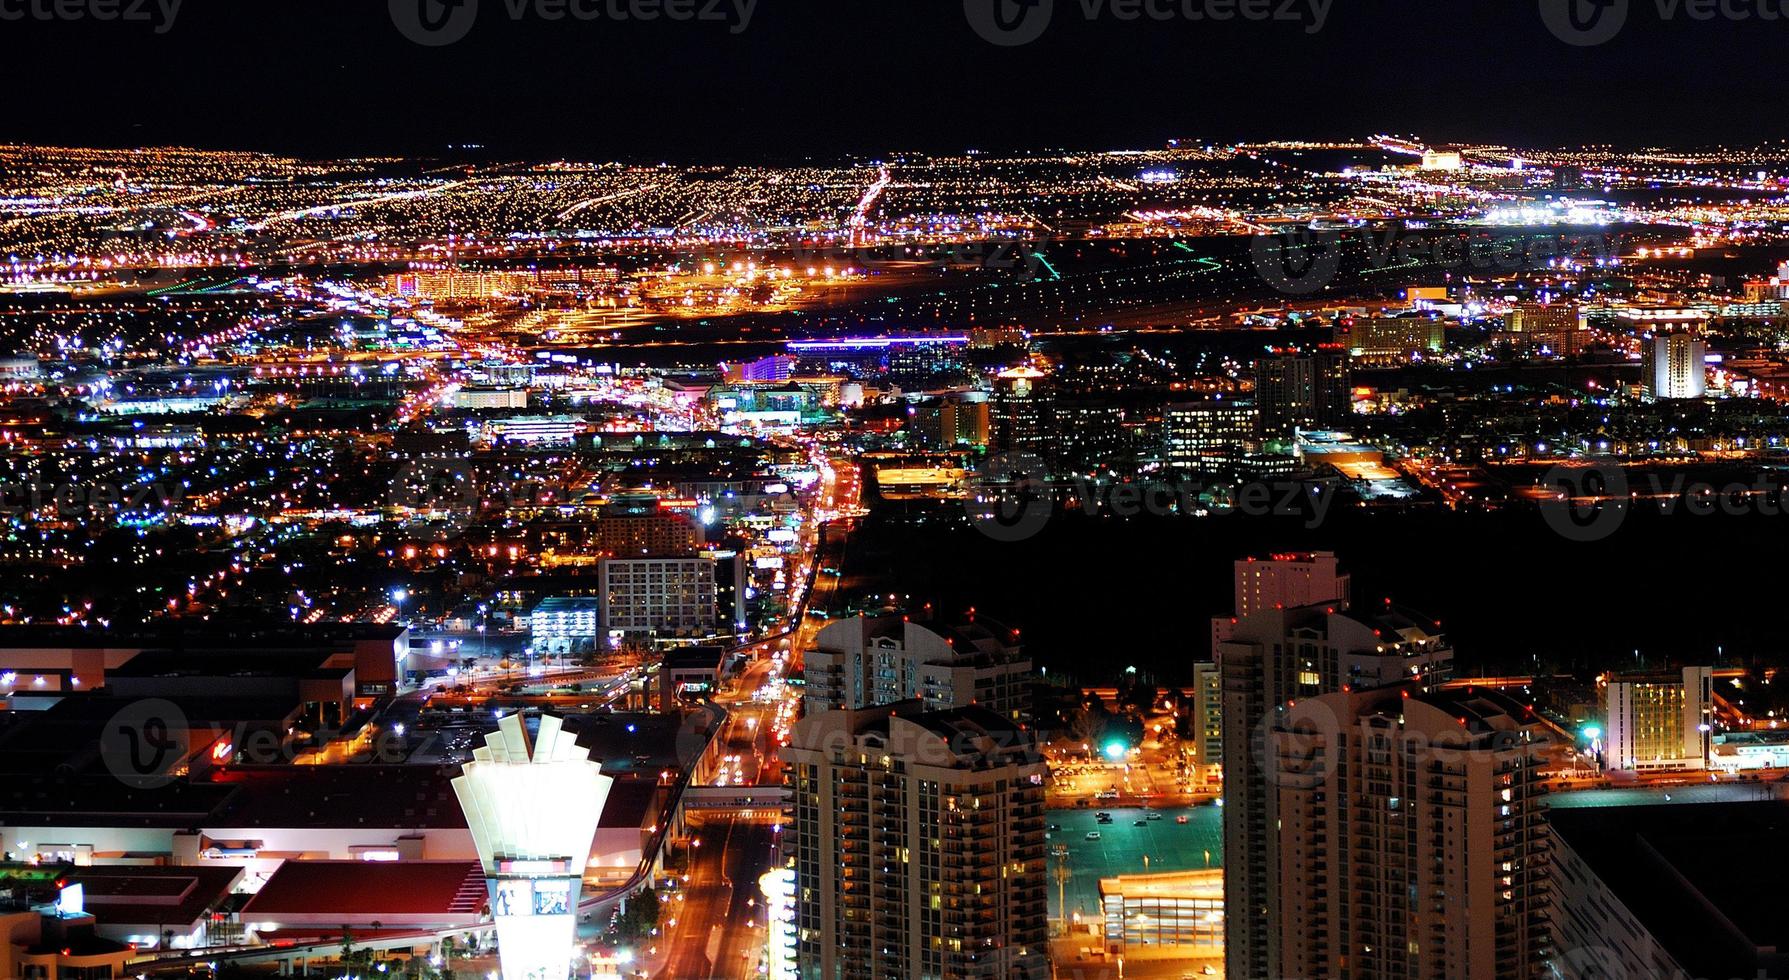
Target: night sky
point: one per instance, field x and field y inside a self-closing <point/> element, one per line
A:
<point x="834" y="77"/>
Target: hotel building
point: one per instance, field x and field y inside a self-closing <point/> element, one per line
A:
<point x="1654" y="721"/>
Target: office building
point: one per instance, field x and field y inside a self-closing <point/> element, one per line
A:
<point x="1091" y="434"/>
<point x="533" y="855"/>
<point x="1207" y="436"/>
<point x="1673" y="364"/>
<point x="564" y="624"/>
<point x="1671" y="891"/>
<point x="1407" y="837"/>
<point x="919" y="845"/>
<point x="669" y="597"/>
<point x="1272" y="657"/>
<point x="1303" y="391"/>
<point x="1022" y="415"/>
<point x="1660" y="720"/>
<point x="871" y="660"/>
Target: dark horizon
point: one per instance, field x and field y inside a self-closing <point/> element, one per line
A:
<point x="336" y="79"/>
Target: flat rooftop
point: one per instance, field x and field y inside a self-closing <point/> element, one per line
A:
<point x="1122" y="847"/>
<point x="1705" y="880"/>
<point x="363" y="889"/>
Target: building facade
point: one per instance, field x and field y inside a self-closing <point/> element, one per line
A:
<point x="1394" y="340"/>
<point x="564" y="624"/>
<point x="1284" y="580"/>
<point x="919" y="845"/>
<point x="1274" y="657"/>
<point x="1303" y="391"/>
<point x="658" y="597"/>
<point x="1656" y="721"/>
<point x="865" y="661"/>
<point x="1673" y="364"/>
<point x="1408" y="838"/>
<point x="1200" y="437"/>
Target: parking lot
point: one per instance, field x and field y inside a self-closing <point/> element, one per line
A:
<point x="1169" y="846"/>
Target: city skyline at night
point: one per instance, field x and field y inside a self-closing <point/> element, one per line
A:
<point x="1020" y="489"/>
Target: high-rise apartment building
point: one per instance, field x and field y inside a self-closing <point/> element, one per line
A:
<point x="1407" y="837"/>
<point x="1303" y="391"/>
<point x="1660" y="720"/>
<point x="1272" y="658"/>
<point x="1287" y="579"/>
<point x="1208" y="715"/>
<point x="871" y="660"/>
<point x="919" y="845"/>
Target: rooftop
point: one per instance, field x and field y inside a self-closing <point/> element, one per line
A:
<point x="361" y="889"/>
<point x="1705" y="879"/>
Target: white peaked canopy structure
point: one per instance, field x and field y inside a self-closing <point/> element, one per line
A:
<point x="533" y="806"/>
